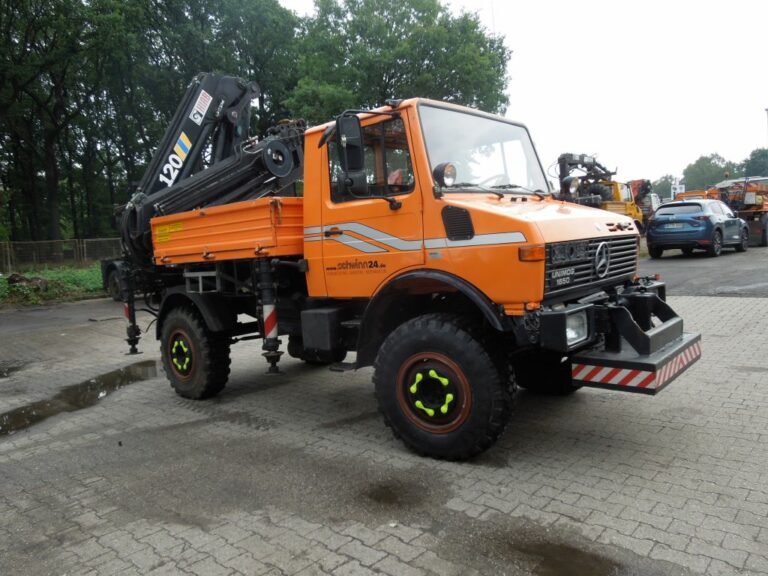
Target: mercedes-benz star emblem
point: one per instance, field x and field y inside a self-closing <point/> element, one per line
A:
<point x="602" y="259"/>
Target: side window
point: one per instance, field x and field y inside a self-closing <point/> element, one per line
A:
<point x="715" y="208"/>
<point x="727" y="211"/>
<point x="388" y="167"/>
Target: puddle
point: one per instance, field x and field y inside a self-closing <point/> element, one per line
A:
<point x="394" y="494"/>
<point x="75" y="397"/>
<point x="348" y="421"/>
<point x="9" y="367"/>
<point x="555" y="559"/>
<point x="751" y="369"/>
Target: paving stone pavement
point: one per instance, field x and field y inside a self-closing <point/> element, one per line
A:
<point x="296" y="474"/>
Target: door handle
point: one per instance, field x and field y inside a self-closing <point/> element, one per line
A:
<point x="333" y="232"/>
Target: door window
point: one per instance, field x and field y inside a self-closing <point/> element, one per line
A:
<point x="388" y="167"/>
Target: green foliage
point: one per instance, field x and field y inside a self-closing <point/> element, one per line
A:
<point x="360" y="53"/>
<point x="63" y="283"/>
<point x="663" y="186"/>
<point x="757" y="163"/>
<point x="87" y="87"/>
<point x="709" y="170"/>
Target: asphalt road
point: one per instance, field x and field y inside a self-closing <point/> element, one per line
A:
<point x="730" y="274"/>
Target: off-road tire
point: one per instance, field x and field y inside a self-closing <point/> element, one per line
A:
<point x="764" y="232"/>
<point x="744" y="244"/>
<point x="209" y="355"/>
<point x="313" y="357"/>
<point x="655" y="252"/>
<point x="483" y="406"/>
<point x="545" y="374"/>
<point x="716" y="247"/>
<point x="113" y="286"/>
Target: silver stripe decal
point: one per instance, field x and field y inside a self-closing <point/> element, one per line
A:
<point x="377" y="236"/>
<point x="479" y="240"/>
<point x="404" y="245"/>
<point x="356" y="243"/>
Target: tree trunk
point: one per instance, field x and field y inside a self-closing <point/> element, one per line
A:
<point x="51" y="167"/>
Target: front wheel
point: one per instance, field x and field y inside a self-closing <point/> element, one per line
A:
<point x="744" y="244"/>
<point x="716" y="246"/>
<point x="439" y="388"/>
<point x="195" y="360"/>
<point x="655" y="251"/>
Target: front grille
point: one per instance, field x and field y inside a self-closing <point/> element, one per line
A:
<point x="570" y="266"/>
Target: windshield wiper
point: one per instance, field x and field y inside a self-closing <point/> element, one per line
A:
<point x="478" y="186"/>
<point x="540" y="193"/>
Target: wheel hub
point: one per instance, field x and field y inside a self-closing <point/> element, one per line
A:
<point x="433" y="392"/>
<point x="180" y="353"/>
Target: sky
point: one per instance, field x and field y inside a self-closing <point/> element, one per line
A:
<point x="646" y="86"/>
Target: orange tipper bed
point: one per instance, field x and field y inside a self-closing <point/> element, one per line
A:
<point x="263" y="227"/>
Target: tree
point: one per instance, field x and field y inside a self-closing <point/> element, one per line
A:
<point x="709" y="170"/>
<point x="663" y="186"/>
<point x="360" y="53"/>
<point x="757" y="163"/>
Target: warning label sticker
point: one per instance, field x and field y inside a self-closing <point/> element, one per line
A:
<point x="201" y="107"/>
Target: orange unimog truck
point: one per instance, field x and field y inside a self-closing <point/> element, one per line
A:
<point x="424" y="242"/>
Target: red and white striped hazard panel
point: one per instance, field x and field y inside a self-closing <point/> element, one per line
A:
<point x="637" y="378"/>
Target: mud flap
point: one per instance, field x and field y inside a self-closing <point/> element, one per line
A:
<point x="632" y="372"/>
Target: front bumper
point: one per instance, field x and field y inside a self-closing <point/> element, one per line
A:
<point x="636" y="342"/>
<point x="632" y="372"/>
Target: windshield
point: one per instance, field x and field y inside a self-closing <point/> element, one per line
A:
<point x="679" y="209"/>
<point x="486" y="152"/>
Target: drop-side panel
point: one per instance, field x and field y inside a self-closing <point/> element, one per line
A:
<point x="255" y="228"/>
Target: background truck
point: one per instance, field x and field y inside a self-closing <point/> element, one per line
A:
<point x="594" y="186"/>
<point x="748" y="197"/>
<point x="420" y="238"/>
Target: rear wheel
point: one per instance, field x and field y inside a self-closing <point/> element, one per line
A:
<point x="744" y="244"/>
<point x="764" y="233"/>
<point x="113" y="286"/>
<point x="716" y="246"/>
<point x="655" y="251"/>
<point x="195" y="360"/>
<point x="439" y="388"/>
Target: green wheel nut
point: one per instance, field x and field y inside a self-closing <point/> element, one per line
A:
<point x="415" y="386"/>
<point x="430" y="412"/>
<point x="448" y="400"/>
<point x="436" y="376"/>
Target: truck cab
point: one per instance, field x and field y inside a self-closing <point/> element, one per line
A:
<point x="426" y="243"/>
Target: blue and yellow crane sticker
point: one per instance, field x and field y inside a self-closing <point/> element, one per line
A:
<point x="183" y="144"/>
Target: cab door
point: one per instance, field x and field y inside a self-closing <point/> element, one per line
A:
<point x="364" y="239"/>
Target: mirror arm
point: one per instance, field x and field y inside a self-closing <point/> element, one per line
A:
<point x="394" y="204"/>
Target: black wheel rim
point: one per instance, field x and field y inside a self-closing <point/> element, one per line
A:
<point x="181" y="354"/>
<point x="433" y="392"/>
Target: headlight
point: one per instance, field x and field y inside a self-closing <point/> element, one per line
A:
<point x="576" y="328"/>
<point x="444" y="174"/>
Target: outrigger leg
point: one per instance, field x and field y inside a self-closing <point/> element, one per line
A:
<point x="269" y="317"/>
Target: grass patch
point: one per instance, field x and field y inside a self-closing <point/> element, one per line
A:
<point x="64" y="283"/>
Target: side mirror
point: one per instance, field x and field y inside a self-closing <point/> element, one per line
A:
<point x="349" y="138"/>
